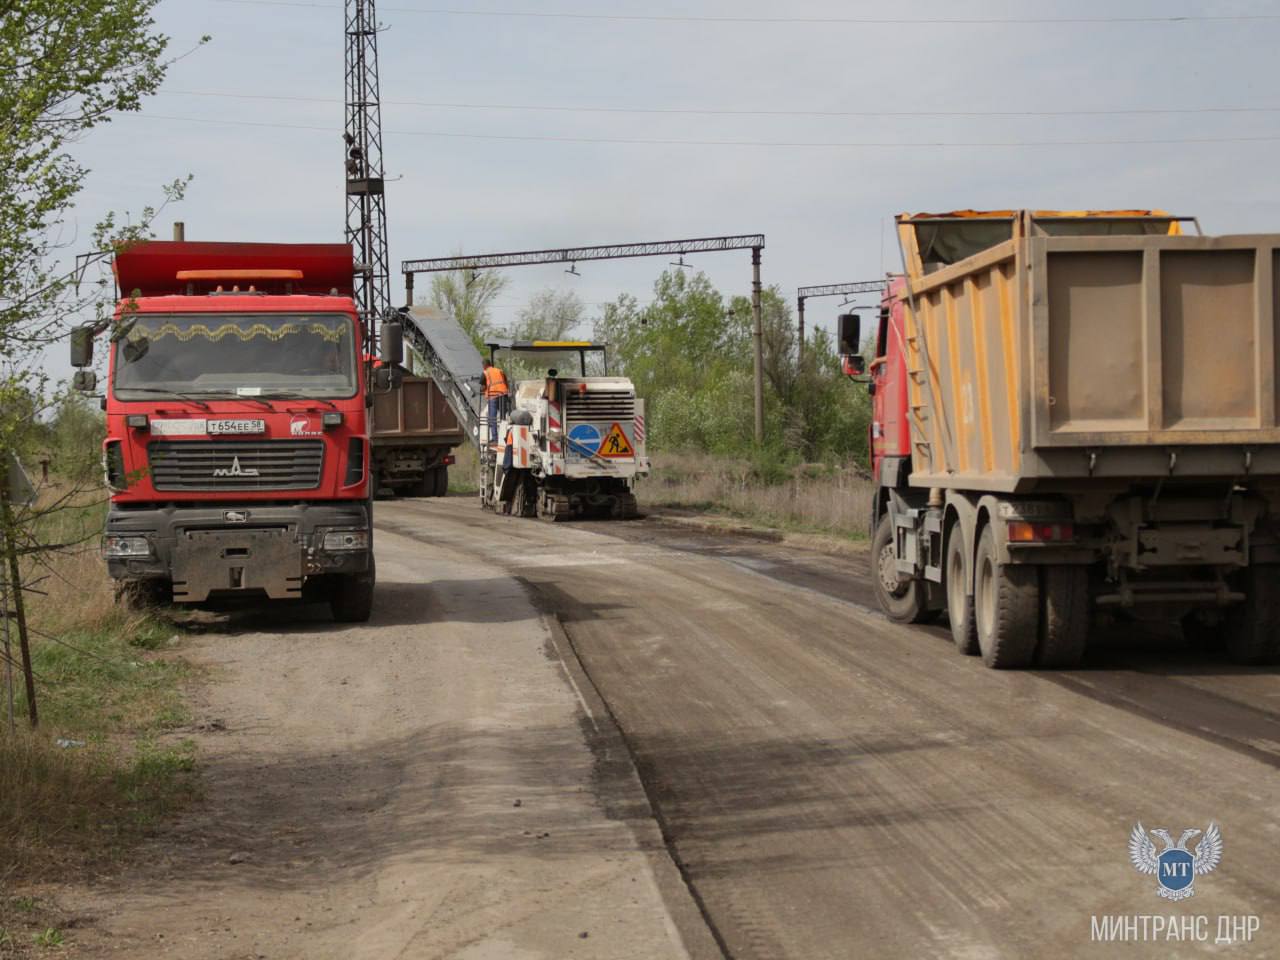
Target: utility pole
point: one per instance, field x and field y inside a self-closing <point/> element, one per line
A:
<point x="366" y="229"/>
<point x="757" y="335"/>
<point x="830" y="290"/>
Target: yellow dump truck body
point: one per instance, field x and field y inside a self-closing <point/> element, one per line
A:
<point x="1044" y="347"/>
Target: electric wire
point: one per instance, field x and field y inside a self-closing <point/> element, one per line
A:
<point x="699" y="111"/>
<point x="819" y="21"/>
<point x="812" y="144"/>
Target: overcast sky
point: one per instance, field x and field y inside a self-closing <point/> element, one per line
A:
<point x="456" y="185"/>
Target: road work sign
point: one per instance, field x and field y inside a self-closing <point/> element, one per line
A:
<point x="616" y="444"/>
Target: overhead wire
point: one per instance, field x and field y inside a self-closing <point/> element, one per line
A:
<point x="700" y="111"/>
<point x="820" y="21"/>
<point x="812" y="144"/>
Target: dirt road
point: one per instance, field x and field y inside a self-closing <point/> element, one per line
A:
<point x="824" y="783"/>
<point x="433" y="784"/>
<point x="835" y="785"/>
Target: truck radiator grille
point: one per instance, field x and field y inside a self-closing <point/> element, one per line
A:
<point x="600" y="405"/>
<point x="235" y="464"/>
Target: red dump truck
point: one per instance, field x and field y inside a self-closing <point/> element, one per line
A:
<point x="237" y="449"/>
<point x="1077" y="413"/>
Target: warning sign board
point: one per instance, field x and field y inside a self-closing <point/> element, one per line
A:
<point x="616" y="444"/>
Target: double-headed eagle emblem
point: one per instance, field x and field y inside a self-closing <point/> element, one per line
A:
<point x="1175" y="867"/>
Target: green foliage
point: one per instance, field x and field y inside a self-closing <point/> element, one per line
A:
<point x="690" y="356"/>
<point x="467" y="296"/>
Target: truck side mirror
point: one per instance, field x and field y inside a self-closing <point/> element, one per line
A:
<point x="381" y="379"/>
<point x="849" y="333"/>
<point x="391" y="342"/>
<point x="853" y="364"/>
<point x="82" y="346"/>
<point x="85" y="381"/>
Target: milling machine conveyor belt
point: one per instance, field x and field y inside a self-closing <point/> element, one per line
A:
<point x="454" y="362"/>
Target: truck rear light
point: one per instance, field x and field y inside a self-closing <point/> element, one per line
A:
<point x="449" y="459"/>
<point x="331" y="418"/>
<point x="116" y="548"/>
<point x="113" y="465"/>
<point x="137" y="420"/>
<point x="355" y="462"/>
<point x="1023" y="531"/>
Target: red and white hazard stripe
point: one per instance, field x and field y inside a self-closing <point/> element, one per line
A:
<point x="639" y="429"/>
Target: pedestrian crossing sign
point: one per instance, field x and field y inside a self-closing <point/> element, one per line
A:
<point x="616" y="444"/>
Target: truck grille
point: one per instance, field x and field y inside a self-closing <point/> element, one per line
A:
<point x="235" y="464"/>
<point x="600" y="405"/>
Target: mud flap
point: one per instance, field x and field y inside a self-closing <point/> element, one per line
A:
<point x="209" y="560"/>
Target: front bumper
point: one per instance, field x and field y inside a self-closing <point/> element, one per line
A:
<point x="239" y="547"/>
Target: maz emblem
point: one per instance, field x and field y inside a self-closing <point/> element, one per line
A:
<point x="236" y="470"/>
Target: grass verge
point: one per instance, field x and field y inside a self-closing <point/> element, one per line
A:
<point x="809" y="498"/>
<point x="105" y="763"/>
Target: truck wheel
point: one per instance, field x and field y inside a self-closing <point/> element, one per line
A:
<point x="351" y="599"/>
<point x="901" y="598"/>
<point x="964" y="630"/>
<point x="441" y="481"/>
<point x="1253" y="627"/>
<point x="1006" y="605"/>
<point x="1066" y="622"/>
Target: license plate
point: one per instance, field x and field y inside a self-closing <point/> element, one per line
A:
<point x="236" y="426"/>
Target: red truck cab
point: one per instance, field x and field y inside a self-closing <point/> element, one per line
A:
<point x="237" y="444"/>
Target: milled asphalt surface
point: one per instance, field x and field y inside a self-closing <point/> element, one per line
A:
<point x="835" y="785"/>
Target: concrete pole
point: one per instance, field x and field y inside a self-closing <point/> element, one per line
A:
<point x="179" y="231"/>
<point x="408" y="289"/>
<point x="758" y="336"/>
<point x="800" y="332"/>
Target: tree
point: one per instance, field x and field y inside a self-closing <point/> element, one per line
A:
<point x="549" y="315"/>
<point x="467" y="296"/>
<point x="66" y="67"/>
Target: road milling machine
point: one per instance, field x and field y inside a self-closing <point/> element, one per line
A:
<point x="564" y="446"/>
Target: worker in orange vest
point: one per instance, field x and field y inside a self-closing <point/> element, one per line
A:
<point x="496" y="392"/>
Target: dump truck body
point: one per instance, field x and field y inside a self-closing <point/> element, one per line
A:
<point x="1087" y="395"/>
<point x="413" y="437"/>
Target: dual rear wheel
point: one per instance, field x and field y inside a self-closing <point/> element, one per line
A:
<point x="1018" y="615"/>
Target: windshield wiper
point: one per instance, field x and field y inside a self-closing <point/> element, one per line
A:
<point x="289" y="395"/>
<point x="168" y="393"/>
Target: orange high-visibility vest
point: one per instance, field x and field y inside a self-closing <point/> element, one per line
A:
<point x="495" y="382"/>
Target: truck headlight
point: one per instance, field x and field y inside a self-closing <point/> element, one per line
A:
<point x="337" y="540"/>
<point x="116" y="548"/>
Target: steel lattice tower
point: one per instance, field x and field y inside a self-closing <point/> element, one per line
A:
<point x="366" y="201"/>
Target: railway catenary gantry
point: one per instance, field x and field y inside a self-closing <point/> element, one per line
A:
<point x="830" y="290"/>
<point x="620" y="251"/>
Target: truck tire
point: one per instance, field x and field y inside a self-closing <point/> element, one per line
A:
<point x="1253" y="627"/>
<point x="351" y="598"/>
<point x="901" y="599"/>
<point x="1006" y="606"/>
<point x="441" y="482"/>
<point x="964" y="629"/>
<point x="1066" y="617"/>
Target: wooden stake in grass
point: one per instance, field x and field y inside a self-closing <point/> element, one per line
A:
<point x="9" y="545"/>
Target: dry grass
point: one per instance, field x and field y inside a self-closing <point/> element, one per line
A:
<point x="812" y="498"/>
<point x="110" y="689"/>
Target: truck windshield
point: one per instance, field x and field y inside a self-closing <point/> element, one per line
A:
<point x="244" y="355"/>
